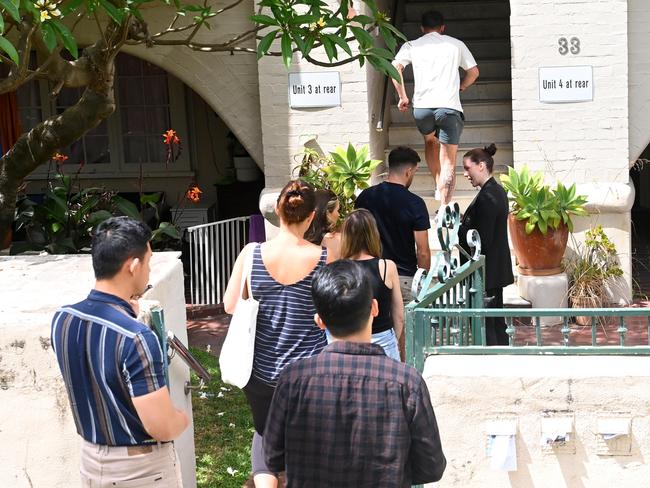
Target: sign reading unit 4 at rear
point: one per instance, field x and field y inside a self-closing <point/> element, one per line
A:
<point x="565" y="84"/>
<point x="315" y="89"/>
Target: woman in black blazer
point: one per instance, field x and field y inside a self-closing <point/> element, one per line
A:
<point x="488" y="214"/>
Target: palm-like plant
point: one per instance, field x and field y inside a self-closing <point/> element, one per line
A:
<point x="538" y="205"/>
<point x="345" y="171"/>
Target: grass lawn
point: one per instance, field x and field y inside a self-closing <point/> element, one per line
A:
<point x="223" y="430"/>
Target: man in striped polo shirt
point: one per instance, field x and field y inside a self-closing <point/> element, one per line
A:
<point x="112" y="366"/>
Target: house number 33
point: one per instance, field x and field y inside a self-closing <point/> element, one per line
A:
<point x="572" y="45"/>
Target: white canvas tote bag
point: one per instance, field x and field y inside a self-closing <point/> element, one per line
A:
<point x="236" y="358"/>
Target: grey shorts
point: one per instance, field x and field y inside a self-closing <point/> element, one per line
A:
<point x="447" y="123"/>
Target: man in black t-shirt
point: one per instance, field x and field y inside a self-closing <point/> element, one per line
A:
<point x="402" y="217"/>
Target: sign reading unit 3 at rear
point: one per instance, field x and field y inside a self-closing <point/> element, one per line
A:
<point x="315" y="89"/>
<point x="565" y="84"/>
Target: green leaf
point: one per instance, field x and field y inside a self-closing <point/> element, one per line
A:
<point x="363" y="19"/>
<point x="126" y="207"/>
<point x="9" y="48"/>
<point x="388" y="37"/>
<point x="285" y="45"/>
<point x="49" y="36"/>
<point x="66" y="37"/>
<point x="265" y="43"/>
<point x="340" y="42"/>
<point x="150" y="198"/>
<point x="264" y="20"/>
<point x="71" y="6"/>
<point x="330" y="49"/>
<point x="365" y="39"/>
<point x="395" y="31"/>
<point x="113" y="12"/>
<point x="11" y="8"/>
<point x="2" y="24"/>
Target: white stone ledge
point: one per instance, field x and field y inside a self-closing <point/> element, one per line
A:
<point x="607" y="197"/>
<point x="547" y="366"/>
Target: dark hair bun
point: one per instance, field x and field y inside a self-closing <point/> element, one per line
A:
<point x="491" y="149"/>
<point x="296" y="201"/>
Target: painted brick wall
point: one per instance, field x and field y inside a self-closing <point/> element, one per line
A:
<point x="639" y="69"/>
<point x="579" y="142"/>
<point x="285" y="130"/>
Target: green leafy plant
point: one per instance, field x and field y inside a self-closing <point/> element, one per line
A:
<point x="328" y="34"/>
<point x="594" y="264"/>
<point x="64" y="221"/>
<point x="539" y="205"/>
<point x="345" y="171"/>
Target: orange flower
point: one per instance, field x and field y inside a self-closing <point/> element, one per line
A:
<point x="60" y="158"/>
<point x="193" y="194"/>
<point x="170" y="137"/>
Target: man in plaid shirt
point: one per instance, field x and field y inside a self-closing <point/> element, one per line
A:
<point x="351" y="416"/>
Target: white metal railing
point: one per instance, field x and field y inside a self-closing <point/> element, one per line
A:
<point x="214" y="247"/>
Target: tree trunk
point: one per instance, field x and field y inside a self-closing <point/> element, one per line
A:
<point x="38" y="145"/>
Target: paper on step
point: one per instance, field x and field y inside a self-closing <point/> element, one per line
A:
<point x="502" y="450"/>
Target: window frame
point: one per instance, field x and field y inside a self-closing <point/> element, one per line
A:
<point x="118" y="168"/>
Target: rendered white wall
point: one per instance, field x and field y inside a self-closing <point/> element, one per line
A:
<point x="467" y="392"/>
<point x="39" y="445"/>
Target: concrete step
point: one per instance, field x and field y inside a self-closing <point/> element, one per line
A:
<point x="497" y="68"/>
<point x="483" y="89"/>
<point x="423" y="181"/>
<point x="492" y="47"/>
<point x="475" y="110"/>
<point x="485" y="131"/>
<point x="502" y="159"/>
<point x="464" y="29"/>
<point x="459" y="9"/>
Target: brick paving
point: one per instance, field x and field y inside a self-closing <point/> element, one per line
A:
<point x="606" y="335"/>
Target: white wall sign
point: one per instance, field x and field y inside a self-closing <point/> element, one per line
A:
<point x="564" y="84"/>
<point x="315" y="89"/>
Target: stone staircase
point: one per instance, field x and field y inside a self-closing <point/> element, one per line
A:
<point x="484" y="25"/>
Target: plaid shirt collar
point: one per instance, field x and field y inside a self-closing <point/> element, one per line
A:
<point x="356" y="348"/>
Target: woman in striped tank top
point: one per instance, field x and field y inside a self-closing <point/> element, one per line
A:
<point x="281" y="281"/>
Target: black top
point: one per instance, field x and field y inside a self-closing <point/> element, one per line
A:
<point x="351" y="417"/>
<point x="381" y="293"/>
<point x="488" y="214"/>
<point x="398" y="213"/>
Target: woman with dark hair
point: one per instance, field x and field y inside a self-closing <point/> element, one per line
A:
<point x="488" y="214"/>
<point x="360" y="241"/>
<point x="323" y="229"/>
<point x="281" y="282"/>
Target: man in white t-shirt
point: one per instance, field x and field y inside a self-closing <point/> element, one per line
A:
<point x="436" y="99"/>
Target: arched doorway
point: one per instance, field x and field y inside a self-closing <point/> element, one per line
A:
<point x="640" y="177"/>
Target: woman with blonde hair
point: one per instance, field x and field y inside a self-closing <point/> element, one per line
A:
<point x="360" y="242"/>
<point x="323" y="229"/>
<point x="281" y="282"/>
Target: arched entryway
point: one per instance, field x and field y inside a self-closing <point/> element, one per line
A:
<point x="640" y="177"/>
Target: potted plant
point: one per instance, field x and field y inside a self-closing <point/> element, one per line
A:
<point x="540" y="220"/>
<point x="592" y="267"/>
<point x="346" y="171"/>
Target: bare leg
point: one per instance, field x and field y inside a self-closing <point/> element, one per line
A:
<point x="432" y="155"/>
<point x="448" y="172"/>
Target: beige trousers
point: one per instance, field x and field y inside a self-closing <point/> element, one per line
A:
<point x="154" y="466"/>
<point x="405" y="286"/>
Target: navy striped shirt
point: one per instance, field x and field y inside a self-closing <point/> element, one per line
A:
<point x="286" y="330"/>
<point x="106" y="357"/>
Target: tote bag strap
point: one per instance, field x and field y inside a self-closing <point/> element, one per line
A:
<point x="247" y="271"/>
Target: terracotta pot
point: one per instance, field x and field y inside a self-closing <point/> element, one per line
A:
<point x="538" y="254"/>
